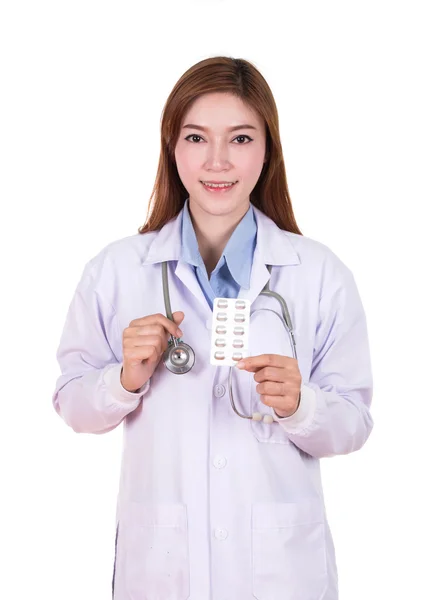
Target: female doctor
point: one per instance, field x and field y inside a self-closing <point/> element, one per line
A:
<point x="220" y="494"/>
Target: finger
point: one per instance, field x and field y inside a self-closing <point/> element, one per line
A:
<point x="142" y="353"/>
<point x="272" y="388"/>
<point x="140" y="332"/>
<point x="158" y="341"/>
<point x="178" y="317"/>
<point x="136" y="336"/>
<point x="272" y="401"/>
<point x="144" y="330"/>
<point x="270" y="374"/>
<point x="253" y="363"/>
<point x="283" y="405"/>
<point x="170" y="326"/>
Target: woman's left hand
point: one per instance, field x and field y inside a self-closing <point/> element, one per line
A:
<point x="279" y="381"/>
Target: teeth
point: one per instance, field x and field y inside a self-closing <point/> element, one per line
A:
<point x="220" y="185"/>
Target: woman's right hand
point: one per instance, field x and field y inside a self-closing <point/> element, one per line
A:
<point x="144" y="342"/>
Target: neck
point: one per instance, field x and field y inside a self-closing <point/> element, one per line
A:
<point x="214" y="231"/>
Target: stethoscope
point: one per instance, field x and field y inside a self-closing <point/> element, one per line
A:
<point x="179" y="357"/>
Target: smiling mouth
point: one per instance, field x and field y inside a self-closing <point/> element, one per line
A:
<point x="221" y="185"/>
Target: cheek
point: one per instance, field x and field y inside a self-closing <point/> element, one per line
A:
<point x="249" y="165"/>
<point x="187" y="164"/>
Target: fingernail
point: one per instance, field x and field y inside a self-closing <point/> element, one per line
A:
<point x="179" y="333"/>
<point x="241" y="364"/>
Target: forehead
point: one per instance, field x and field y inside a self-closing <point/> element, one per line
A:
<point x="220" y="111"/>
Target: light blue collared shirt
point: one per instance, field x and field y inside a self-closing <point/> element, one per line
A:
<point x="233" y="270"/>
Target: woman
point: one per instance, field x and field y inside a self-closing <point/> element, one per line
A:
<point x="212" y="505"/>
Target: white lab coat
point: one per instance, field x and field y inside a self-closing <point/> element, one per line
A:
<point x="212" y="506"/>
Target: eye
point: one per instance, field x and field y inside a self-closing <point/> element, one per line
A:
<point x="243" y="136"/>
<point x="192" y="135"/>
<point x="195" y="135"/>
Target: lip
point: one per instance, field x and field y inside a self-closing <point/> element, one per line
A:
<point x="223" y="190"/>
<point x="212" y="181"/>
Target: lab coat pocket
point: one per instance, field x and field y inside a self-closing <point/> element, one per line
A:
<point x="156" y="552"/>
<point x="288" y="550"/>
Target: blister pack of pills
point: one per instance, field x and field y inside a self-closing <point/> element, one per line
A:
<point x="230" y="331"/>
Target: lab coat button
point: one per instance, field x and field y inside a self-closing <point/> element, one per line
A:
<point x="219" y="462"/>
<point x="219" y="391"/>
<point x="220" y="534"/>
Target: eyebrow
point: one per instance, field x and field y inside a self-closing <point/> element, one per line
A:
<point x="235" y="128"/>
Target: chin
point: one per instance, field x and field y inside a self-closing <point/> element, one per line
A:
<point x="219" y="206"/>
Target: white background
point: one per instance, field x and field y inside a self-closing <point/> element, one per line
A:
<point x="83" y="84"/>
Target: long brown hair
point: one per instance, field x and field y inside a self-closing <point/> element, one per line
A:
<point x="242" y="79"/>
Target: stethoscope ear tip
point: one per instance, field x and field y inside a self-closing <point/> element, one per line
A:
<point x="268" y="419"/>
<point x="257" y="416"/>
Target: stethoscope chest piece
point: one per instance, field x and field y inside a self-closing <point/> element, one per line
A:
<point x="179" y="358"/>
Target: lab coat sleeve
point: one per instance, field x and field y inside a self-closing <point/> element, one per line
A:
<point x="89" y="395"/>
<point x="333" y="416"/>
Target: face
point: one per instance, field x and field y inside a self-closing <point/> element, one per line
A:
<point x="213" y="148"/>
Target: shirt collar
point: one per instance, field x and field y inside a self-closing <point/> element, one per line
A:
<point x="274" y="246"/>
<point x="237" y="254"/>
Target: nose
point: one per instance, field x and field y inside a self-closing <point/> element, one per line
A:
<point x="217" y="156"/>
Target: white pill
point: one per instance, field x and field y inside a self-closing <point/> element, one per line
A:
<point x="239" y="331"/>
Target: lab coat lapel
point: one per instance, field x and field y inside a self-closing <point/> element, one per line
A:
<point x="166" y="246"/>
<point x="259" y="277"/>
<point x="187" y="276"/>
<point x="273" y="247"/>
